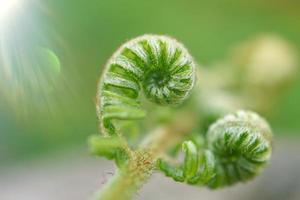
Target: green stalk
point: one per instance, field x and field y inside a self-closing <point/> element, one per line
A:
<point x="127" y="181"/>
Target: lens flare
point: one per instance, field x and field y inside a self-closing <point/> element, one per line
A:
<point x="30" y="70"/>
<point x="7" y="7"/>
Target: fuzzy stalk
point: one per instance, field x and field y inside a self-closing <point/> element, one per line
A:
<point x="126" y="181"/>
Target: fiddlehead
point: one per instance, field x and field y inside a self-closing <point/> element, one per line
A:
<point x="158" y="65"/>
<point x="242" y="145"/>
<point x="162" y="68"/>
<point x="238" y="146"/>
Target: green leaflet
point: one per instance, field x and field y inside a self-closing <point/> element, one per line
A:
<point x="109" y="147"/>
<point x="197" y="168"/>
<point x="191" y="160"/>
<point x="170" y="171"/>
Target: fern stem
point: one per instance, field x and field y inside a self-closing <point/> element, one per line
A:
<point x="121" y="186"/>
<point x="126" y="181"/>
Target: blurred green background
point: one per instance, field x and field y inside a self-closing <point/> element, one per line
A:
<point x="82" y="34"/>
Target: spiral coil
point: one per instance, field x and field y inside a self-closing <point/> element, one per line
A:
<point x="238" y="147"/>
<point x="158" y="65"/>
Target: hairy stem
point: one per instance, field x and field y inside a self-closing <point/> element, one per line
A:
<point x="126" y="181"/>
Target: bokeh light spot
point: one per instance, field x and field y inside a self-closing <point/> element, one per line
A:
<point x="47" y="58"/>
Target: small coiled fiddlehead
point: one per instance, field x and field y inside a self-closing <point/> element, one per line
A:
<point x="158" y="65"/>
<point x="242" y="145"/>
<point x="237" y="147"/>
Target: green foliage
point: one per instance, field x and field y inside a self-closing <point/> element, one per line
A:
<point x="84" y="33"/>
<point x="234" y="149"/>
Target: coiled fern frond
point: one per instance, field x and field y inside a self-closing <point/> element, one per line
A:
<point x="159" y="66"/>
<point x="237" y="148"/>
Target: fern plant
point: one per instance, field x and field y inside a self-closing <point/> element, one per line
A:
<point x="149" y="113"/>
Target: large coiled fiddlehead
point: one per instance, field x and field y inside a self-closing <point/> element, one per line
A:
<point x="158" y="65"/>
<point x="160" y="69"/>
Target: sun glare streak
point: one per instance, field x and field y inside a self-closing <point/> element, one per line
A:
<point x="7" y="7"/>
<point x="30" y="70"/>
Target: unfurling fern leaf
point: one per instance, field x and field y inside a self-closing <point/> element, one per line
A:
<point x="158" y="65"/>
<point x="238" y="147"/>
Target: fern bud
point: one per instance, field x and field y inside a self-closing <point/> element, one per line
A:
<point x="242" y="144"/>
<point x="158" y="65"/>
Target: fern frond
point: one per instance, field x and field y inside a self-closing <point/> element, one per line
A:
<point x="158" y="65"/>
<point x="238" y="147"/>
